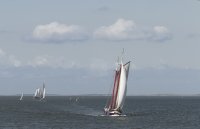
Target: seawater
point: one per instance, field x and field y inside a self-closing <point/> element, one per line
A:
<point x="65" y="112"/>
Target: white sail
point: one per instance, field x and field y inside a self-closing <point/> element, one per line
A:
<point x="43" y="96"/>
<point x="122" y="86"/>
<point x="21" y="96"/>
<point x="121" y="89"/>
<point x="37" y="93"/>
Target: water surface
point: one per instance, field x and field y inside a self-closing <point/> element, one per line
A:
<point x="83" y="112"/>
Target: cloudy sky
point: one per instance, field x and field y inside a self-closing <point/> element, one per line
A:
<point x="74" y="45"/>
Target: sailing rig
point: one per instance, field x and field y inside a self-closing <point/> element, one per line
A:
<point x="21" y="98"/>
<point x="116" y="102"/>
<point x="40" y="93"/>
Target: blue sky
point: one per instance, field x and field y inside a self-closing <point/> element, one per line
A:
<point x="73" y="45"/>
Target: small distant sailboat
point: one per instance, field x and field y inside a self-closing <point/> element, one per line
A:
<point x="21" y="98"/>
<point x="116" y="102"/>
<point x="40" y="93"/>
<point x="77" y="99"/>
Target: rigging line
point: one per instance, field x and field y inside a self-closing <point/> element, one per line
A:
<point x="127" y="63"/>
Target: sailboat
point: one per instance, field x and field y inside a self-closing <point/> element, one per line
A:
<point x="21" y="98"/>
<point x="40" y="93"/>
<point x="116" y="102"/>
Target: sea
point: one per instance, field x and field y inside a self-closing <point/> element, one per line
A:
<point x="85" y="112"/>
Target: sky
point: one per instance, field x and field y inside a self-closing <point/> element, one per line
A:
<point x="73" y="46"/>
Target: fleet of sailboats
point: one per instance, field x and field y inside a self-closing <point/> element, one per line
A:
<point x="116" y="102"/>
<point x="40" y="93"/>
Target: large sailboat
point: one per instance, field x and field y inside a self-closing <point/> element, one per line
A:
<point x="40" y="93"/>
<point x="116" y="102"/>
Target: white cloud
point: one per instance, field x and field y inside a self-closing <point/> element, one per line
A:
<point x="161" y="33"/>
<point x="38" y="61"/>
<point x="99" y="64"/>
<point x="128" y="30"/>
<point x="56" y="32"/>
<point x="120" y="30"/>
<point x="160" y="29"/>
<point x="62" y="62"/>
<point x="13" y="61"/>
<point x="2" y="53"/>
<point x="8" y="59"/>
<point x="51" y="61"/>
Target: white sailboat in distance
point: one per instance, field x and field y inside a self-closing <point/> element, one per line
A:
<point x="21" y="98"/>
<point x="40" y="93"/>
<point x="116" y="102"/>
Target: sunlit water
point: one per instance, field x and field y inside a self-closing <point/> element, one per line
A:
<point x="64" y="112"/>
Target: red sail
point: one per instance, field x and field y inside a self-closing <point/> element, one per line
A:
<point x="111" y="105"/>
<point x="115" y="89"/>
